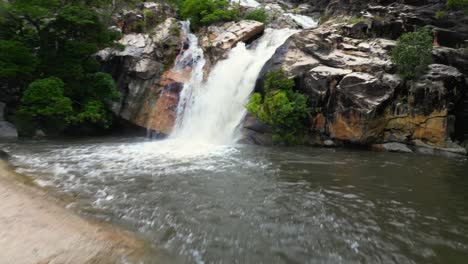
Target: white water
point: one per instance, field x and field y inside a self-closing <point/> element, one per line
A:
<point x="211" y="112"/>
<point x="304" y="22"/>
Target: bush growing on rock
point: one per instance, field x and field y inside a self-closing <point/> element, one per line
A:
<point x="205" y="12"/>
<point x="457" y="4"/>
<point x="259" y="15"/>
<point x="284" y="109"/>
<point x="413" y="53"/>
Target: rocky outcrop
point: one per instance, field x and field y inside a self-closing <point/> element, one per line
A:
<point x="356" y="97"/>
<point x="138" y="69"/>
<point x="217" y="40"/>
<point x="146" y="16"/>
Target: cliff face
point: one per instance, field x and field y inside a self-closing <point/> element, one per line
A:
<point x="343" y="66"/>
<point x="345" y="70"/>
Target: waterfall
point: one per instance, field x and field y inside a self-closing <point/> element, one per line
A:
<point x="304" y="22"/>
<point x="211" y="111"/>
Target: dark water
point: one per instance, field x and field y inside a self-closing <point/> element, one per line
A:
<point x="209" y="204"/>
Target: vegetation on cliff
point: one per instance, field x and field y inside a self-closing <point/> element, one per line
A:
<point x="457" y="4"/>
<point x="284" y="109"/>
<point x="205" y="12"/>
<point x="259" y="15"/>
<point x="413" y="53"/>
<point x="48" y="46"/>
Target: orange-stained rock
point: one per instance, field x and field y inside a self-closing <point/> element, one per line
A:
<point x="172" y="75"/>
<point x="347" y="129"/>
<point x="432" y="128"/>
<point x="165" y="112"/>
<point x="318" y="123"/>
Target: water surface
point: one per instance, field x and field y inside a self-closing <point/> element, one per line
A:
<point x="215" y="204"/>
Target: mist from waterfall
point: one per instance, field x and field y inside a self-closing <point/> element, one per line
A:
<point x="211" y="111"/>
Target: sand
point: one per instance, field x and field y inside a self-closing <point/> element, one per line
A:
<point x="37" y="228"/>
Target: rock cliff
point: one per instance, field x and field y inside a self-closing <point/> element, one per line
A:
<point x="344" y="68"/>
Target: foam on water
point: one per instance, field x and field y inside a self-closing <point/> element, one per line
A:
<point x="247" y="3"/>
<point x="304" y="22"/>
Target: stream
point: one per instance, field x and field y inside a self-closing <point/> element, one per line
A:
<point x="243" y="204"/>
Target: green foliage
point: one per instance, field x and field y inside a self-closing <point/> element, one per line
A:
<point x="457" y="4"/>
<point x="440" y="14"/>
<point x="413" y="53"/>
<point x="150" y="19"/>
<point x="259" y="15"/>
<point x="16" y="60"/>
<point x="54" y="42"/>
<point x="282" y="108"/>
<point x="205" y="12"/>
<point x="45" y="105"/>
<point x="94" y="112"/>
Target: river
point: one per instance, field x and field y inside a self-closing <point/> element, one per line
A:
<point x="245" y="204"/>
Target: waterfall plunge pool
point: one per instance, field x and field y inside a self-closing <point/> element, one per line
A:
<point x="245" y="204"/>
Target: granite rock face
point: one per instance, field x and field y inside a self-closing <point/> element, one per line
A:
<point x="357" y="98"/>
<point x="139" y="67"/>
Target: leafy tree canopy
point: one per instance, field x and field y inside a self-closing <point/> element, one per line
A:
<point x="50" y="44"/>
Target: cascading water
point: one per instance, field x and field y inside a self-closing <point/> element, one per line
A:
<point x="211" y="112"/>
<point x="304" y="22"/>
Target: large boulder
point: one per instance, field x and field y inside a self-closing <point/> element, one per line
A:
<point x="354" y="103"/>
<point x="217" y="40"/>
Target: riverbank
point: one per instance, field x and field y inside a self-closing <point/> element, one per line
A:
<point x="35" y="228"/>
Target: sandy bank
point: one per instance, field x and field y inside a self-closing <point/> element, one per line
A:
<point x="35" y="228"/>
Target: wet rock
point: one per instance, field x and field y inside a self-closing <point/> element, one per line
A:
<point x="439" y="88"/>
<point x="319" y="80"/>
<point x="457" y="58"/>
<point x="4" y="155"/>
<point x="218" y="40"/>
<point x="164" y="114"/>
<point x="138" y="69"/>
<point x="7" y="129"/>
<point x="392" y="147"/>
<point x="450" y="150"/>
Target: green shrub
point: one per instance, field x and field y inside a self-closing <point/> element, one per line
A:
<point x="413" y="53"/>
<point x="282" y="108"/>
<point x="457" y="4"/>
<point x="440" y="14"/>
<point x="44" y="105"/>
<point x="205" y="12"/>
<point x="150" y="19"/>
<point x="259" y="15"/>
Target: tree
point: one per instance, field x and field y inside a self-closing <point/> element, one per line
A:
<point x="53" y="38"/>
<point x="284" y="109"/>
<point x="17" y="61"/>
<point x="413" y="53"/>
